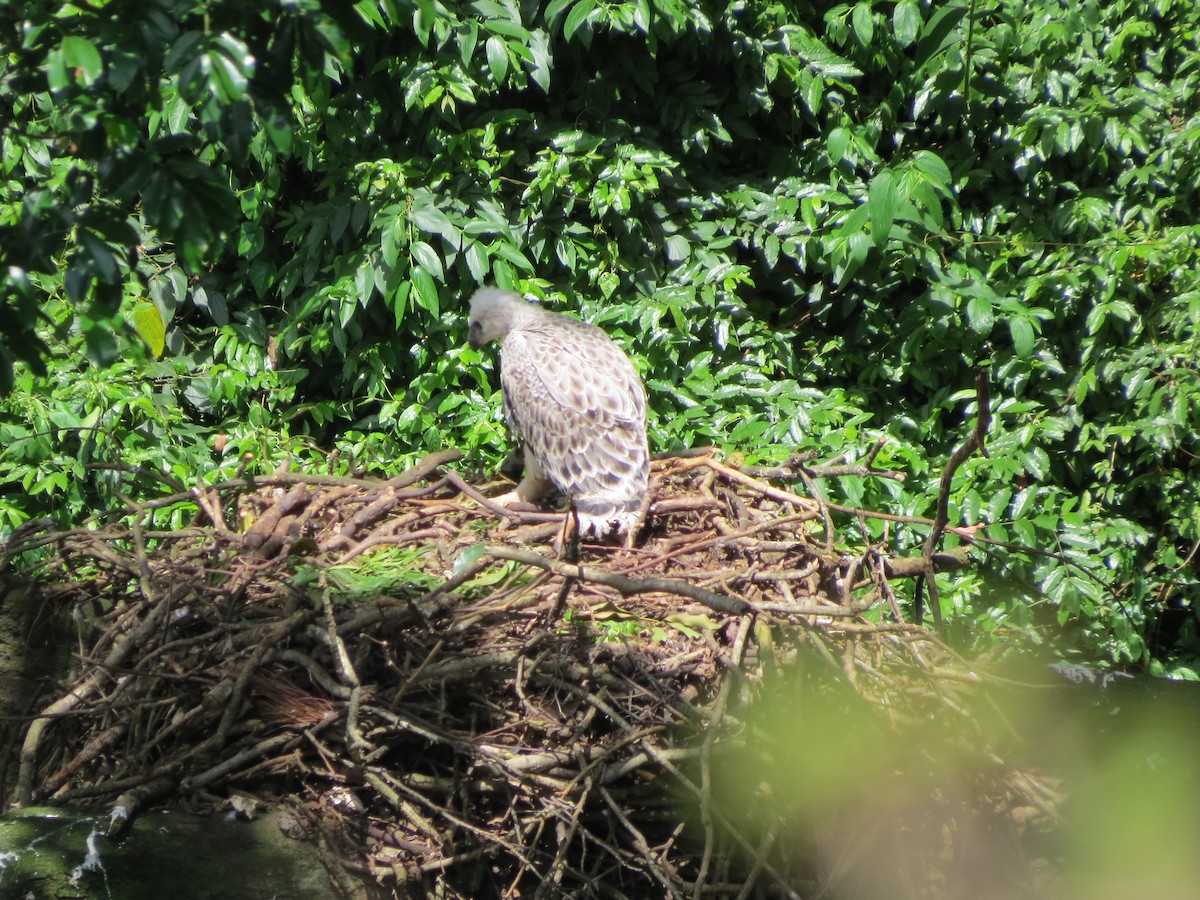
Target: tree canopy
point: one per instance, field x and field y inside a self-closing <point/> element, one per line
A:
<point x="233" y="228"/>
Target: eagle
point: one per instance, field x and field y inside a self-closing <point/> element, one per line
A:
<point x="574" y="400"/>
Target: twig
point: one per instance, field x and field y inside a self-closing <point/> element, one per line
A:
<point x="667" y="878"/>
<point x="459" y="485"/>
<point x="231" y="764"/>
<point x="983" y="420"/>
<point x="763" y="488"/>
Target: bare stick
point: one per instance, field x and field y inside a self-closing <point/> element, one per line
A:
<point x="983" y="419"/>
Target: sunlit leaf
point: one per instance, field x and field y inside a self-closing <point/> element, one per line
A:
<point x="980" y="314"/>
<point x="542" y="63"/>
<point x="577" y="16"/>
<point x="1022" y="336"/>
<point x="149" y="325"/>
<point x="426" y="291"/>
<point x="497" y="56"/>
<point x="428" y="259"/>
<point x="467" y="558"/>
<point x="906" y="22"/>
<point x="863" y="21"/>
<point x="81" y="54"/>
<point x="881" y="204"/>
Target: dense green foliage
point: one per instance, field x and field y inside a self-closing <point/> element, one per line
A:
<point x="810" y="226"/>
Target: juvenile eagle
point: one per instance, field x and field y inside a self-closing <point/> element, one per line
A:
<point x="573" y="397"/>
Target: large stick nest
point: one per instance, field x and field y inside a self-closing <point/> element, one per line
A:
<point x="443" y="702"/>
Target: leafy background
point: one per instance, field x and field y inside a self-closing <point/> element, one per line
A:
<point x="228" y="230"/>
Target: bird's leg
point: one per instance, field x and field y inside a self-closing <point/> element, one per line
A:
<point x="532" y="488"/>
<point x="566" y="544"/>
<point x="639" y="518"/>
<point x="629" y="538"/>
<point x="566" y="547"/>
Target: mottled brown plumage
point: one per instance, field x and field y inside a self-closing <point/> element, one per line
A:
<point x="574" y="398"/>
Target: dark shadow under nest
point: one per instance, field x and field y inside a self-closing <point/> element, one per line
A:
<point x="384" y="658"/>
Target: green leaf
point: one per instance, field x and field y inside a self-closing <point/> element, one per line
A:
<point x="938" y="35"/>
<point x="426" y="291"/>
<point x="477" y="262"/>
<point x="981" y="315"/>
<point x="81" y="54"/>
<point x="554" y="7"/>
<point x="432" y="220"/>
<point x="229" y="65"/>
<point x="542" y="63"/>
<point x="467" y="38"/>
<point x="467" y="558"/>
<point x="213" y="303"/>
<point x="881" y="206"/>
<point x="491" y="9"/>
<point x="278" y="130"/>
<point x="1037" y="463"/>
<point x="822" y="59"/>
<point x="98" y="256"/>
<point x="836" y="144"/>
<point x="497" y="56"/>
<point x="677" y="248"/>
<point x="935" y="169"/>
<point x="390" y="239"/>
<point x="1022" y="336"/>
<point x="906" y="22"/>
<point x="863" y="22"/>
<point x="577" y="16"/>
<point x="998" y="504"/>
<point x="428" y="259"/>
<point x="858" y="249"/>
<point x="508" y="27"/>
<point x="57" y="75"/>
<point x="364" y="287"/>
<point x="813" y="91"/>
<point x="513" y="255"/>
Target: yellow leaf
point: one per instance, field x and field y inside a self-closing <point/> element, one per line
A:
<point x="691" y="622"/>
<point x="607" y="611"/>
<point x="148" y="324"/>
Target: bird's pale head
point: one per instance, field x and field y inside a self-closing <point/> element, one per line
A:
<point x="496" y="312"/>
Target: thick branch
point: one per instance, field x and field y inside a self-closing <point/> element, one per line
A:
<point x="626" y="586"/>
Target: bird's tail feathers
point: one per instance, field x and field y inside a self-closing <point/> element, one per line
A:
<point x="601" y="520"/>
<point x="592" y="527"/>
